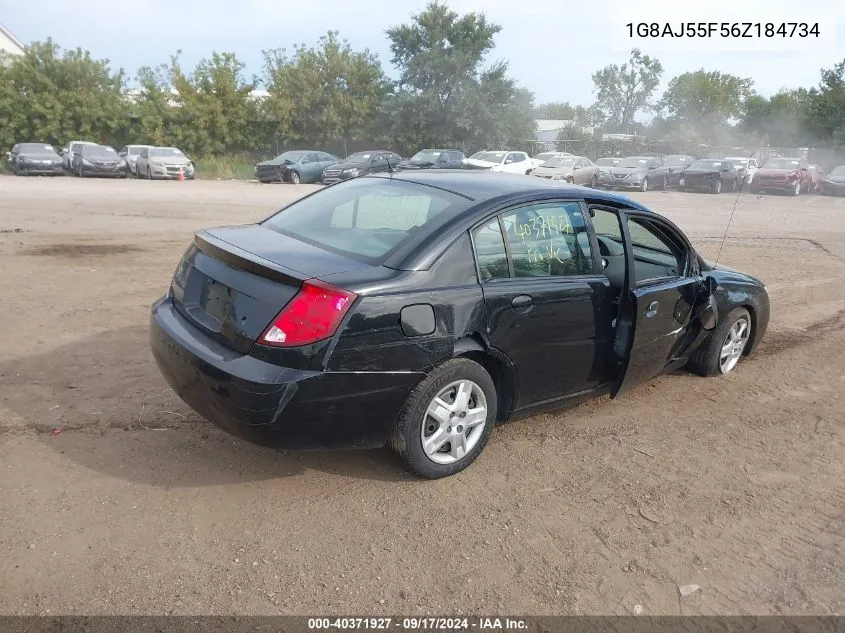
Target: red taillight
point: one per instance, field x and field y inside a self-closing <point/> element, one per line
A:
<point x="312" y="315"/>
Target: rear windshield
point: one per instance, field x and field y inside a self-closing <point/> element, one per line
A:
<point x="367" y="218"/>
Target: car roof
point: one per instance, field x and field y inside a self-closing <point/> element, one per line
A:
<point x="480" y="186"/>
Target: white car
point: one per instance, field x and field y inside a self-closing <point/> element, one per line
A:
<point x="501" y="161"/>
<point x="746" y="165"/>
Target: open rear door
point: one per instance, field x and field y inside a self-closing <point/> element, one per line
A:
<point x="654" y="314"/>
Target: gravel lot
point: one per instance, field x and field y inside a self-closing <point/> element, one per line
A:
<point x="117" y="499"/>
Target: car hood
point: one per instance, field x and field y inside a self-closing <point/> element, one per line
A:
<point x="674" y="168"/>
<point x="768" y="171"/>
<point x="479" y="163"/>
<point x="276" y="161"/>
<point x="32" y="156"/>
<point x="837" y="180"/>
<point x="176" y="160"/>
<point x="553" y="171"/>
<point x="624" y="171"/>
<point x="734" y="271"/>
<point x="359" y="164"/>
<point x="698" y="171"/>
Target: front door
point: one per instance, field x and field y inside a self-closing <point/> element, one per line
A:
<point x="653" y="329"/>
<point x="547" y="306"/>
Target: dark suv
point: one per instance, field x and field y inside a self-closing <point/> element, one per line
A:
<point x="361" y="163"/>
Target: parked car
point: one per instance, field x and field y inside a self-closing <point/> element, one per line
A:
<point x="296" y="166"/>
<point x="834" y="183"/>
<point x="434" y="159"/>
<point x="747" y="167"/>
<point x="578" y="170"/>
<point x="816" y="176"/>
<point x="98" y="160"/>
<point x="130" y="153"/>
<point x="790" y="175"/>
<point x="502" y="161"/>
<point x="710" y="174"/>
<point x="361" y="164"/>
<point x="163" y="163"/>
<point x="401" y="308"/>
<point x="675" y="164"/>
<point x="604" y="164"/>
<point x="70" y="149"/>
<point x="635" y="172"/>
<point x="35" y="159"/>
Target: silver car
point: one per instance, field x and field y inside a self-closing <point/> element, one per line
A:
<point x="164" y="162"/>
<point x="130" y="154"/>
<point x="70" y="149"/>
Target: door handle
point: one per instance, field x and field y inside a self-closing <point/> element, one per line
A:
<point x="652" y="309"/>
<point x="522" y="301"/>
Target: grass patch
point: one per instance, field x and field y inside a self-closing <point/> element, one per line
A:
<point x="234" y="167"/>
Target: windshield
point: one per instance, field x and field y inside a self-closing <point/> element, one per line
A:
<point x="560" y="162"/>
<point x="607" y="162"/>
<point x="289" y="157"/>
<point x="707" y="164"/>
<point x="634" y="162"/>
<point x="738" y="162"/>
<point x="839" y="172"/>
<point x="367" y="219"/>
<point x="103" y="151"/>
<point x="545" y="156"/>
<point x="166" y="152"/>
<point x="782" y="163"/>
<point x="36" y="148"/>
<point x="426" y="156"/>
<point x="677" y="161"/>
<point x="358" y="157"/>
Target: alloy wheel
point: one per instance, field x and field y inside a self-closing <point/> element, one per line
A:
<point x="453" y="422"/>
<point x="733" y="345"/>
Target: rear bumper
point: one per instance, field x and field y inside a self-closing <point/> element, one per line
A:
<point x="271" y="405"/>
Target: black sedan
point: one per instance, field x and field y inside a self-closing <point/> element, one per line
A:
<point x="98" y="160"/>
<point x="35" y="159"/>
<point x="420" y="309"/>
<point x="834" y="183"/>
<point x="674" y="165"/>
<point x="361" y="164"/>
<point x="434" y="159"/>
<point x="711" y="175"/>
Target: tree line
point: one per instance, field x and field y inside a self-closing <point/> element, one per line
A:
<point x="446" y="94"/>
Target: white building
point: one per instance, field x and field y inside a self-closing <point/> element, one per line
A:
<point x="9" y="45"/>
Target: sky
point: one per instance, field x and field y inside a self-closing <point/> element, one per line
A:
<point x="552" y="46"/>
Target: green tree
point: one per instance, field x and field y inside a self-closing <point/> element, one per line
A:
<point x="782" y="118"/>
<point x="326" y="94"/>
<point x="826" y="107"/>
<point x="152" y="105"/>
<point x="555" y="110"/>
<point x="56" y="96"/>
<point x="214" y="111"/>
<point x="705" y="99"/>
<point x="622" y="91"/>
<point x="444" y="96"/>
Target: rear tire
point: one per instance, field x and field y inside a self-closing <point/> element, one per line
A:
<point x="594" y="182"/>
<point x="456" y="376"/>
<point x="717" y="188"/>
<point x="706" y="360"/>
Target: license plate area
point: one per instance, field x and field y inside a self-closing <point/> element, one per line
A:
<point x="216" y="300"/>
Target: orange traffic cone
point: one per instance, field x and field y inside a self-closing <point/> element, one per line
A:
<point x="181" y="176"/>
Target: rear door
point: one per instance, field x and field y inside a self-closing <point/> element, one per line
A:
<point x="548" y="308"/>
<point x="653" y="328"/>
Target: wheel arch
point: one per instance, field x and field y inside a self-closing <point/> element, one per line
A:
<point x="499" y="366"/>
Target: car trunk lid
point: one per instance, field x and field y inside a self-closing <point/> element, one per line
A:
<point x="233" y="281"/>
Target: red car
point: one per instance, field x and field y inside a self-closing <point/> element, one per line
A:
<point x="791" y="175"/>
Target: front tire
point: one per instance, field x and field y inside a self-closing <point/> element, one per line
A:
<point x="725" y="346"/>
<point x="644" y="186"/>
<point x="796" y="190"/>
<point x="717" y="188"/>
<point x="294" y="178"/>
<point x="594" y="182"/>
<point x="446" y="421"/>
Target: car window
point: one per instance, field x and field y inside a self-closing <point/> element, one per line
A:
<point x="656" y="254"/>
<point x="379" y="158"/>
<point x="516" y="157"/>
<point x="548" y="239"/>
<point x="367" y="219"/>
<point x="327" y="158"/>
<point x="490" y="252"/>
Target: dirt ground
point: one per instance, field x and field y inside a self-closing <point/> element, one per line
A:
<point x="118" y="499"/>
